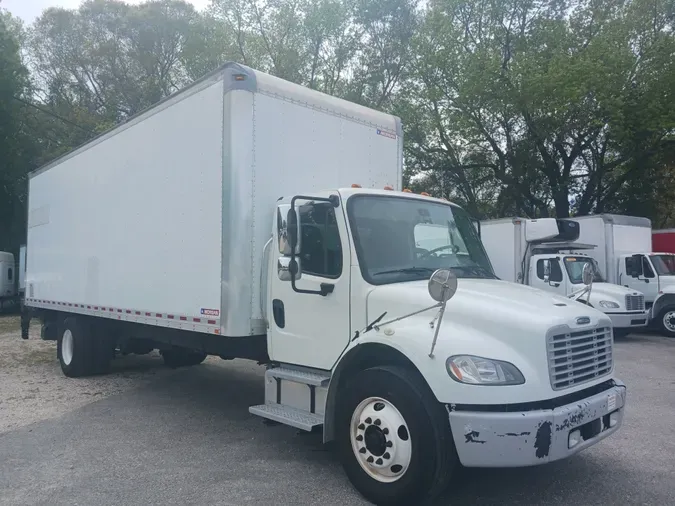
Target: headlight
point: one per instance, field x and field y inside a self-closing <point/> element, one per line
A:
<point x="483" y="371"/>
<point x="609" y="304"/>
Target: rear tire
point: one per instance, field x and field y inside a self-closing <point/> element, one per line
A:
<point x="178" y="357"/>
<point x="79" y="352"/>
<point x="394" y="437"/>
<point x="667" y="321"/>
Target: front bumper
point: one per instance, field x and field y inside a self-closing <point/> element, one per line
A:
<point x="629" y="320"/>
<point x="529" y="438"/>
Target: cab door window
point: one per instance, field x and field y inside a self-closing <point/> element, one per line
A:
<point x="321" y="250"/>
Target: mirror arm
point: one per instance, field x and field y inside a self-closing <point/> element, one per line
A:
<point x="326" y="288"/>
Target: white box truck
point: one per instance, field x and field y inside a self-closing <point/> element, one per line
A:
<point x="223" y="221"/>
<point x="519" y="254"/>
<point x="624" y="252"/>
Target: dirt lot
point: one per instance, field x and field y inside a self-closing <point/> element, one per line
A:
<point x="32" y="387"/>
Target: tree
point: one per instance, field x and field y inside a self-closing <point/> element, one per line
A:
<point x="556" y="99"/>
<point x="15" y="143"/>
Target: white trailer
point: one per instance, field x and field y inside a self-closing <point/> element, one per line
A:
<point x="624" y="252"/>
<point x="223" y="221"/>
<point x="519" y="258"/>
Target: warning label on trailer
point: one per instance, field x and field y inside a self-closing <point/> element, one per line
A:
<point x="384" y="133"/>
<point x="210" y="312"/>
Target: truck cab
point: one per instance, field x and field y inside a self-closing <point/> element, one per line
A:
<point x="653" y="274"/>
<point x="359" y="347"/>
<point x="626" y="308"/>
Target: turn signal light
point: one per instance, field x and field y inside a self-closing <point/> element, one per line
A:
<point x="407" y="190"/>
<point x="390" y="188"/>
<point x="425" y="194"/>
<point x="356" y="185"/>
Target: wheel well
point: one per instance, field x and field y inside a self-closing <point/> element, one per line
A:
<point x="661" y="302"/>
<point x="363" y="356"/>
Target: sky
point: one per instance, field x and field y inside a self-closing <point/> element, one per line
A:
<point x="28" y="10"/>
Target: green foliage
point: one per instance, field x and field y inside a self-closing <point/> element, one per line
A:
<point x="509" y="107"/>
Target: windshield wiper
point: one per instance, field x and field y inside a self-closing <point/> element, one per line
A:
<point x="406" y="270"/>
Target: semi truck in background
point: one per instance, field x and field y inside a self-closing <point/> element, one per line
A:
<point x="623" y="251"/>
<point x="228" y="220"/>
<point x="519" y="249"/>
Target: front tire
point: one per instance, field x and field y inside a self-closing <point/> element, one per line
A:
<point x="667" y="321"/>
<point x="394" y="437"/>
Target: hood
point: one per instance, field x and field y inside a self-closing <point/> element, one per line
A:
<point x="486" y="318"/>
<point x="483" y="302"/>
<point x="609" y="292"/>
<point x="667" y="284"/>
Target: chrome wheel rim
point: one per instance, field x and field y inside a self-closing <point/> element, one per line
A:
<point x="669" y="321"/>
<point x="380" y="440"/>
<point x="67" y="347"/>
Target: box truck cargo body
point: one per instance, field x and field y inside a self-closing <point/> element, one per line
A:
<point x="230" y="220"/>
<point x="518" y="258"/>
<point x="163" y="220"/>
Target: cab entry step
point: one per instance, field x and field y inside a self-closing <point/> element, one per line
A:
<point x="288" y="416"/>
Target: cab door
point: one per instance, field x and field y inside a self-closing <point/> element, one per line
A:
<point x="554" y="282"/>
<point x="309" y="304"/>
<point x="637" y="273"/>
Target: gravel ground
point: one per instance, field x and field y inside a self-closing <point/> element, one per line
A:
<point x="33" y="388"/>
<point x="148" y="435"/>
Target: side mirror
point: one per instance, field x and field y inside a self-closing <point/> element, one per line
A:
<point x="288" y="269"/>
<point x="476" y="225"/>
<point x="588" y="273"/>
<point x="547" y="270"/>
<point x="287" y="230"/>
<point x="442" y="285"/>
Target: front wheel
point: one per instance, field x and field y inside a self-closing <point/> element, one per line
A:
<point x="667" y="321"/>
<point x="394" y="437"/>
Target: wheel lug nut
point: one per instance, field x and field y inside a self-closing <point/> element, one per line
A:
<point x="370" y="460"/>
<point x="385" y="431"/>
<point x="389" y="444"/>
<point x="362" y="450"/>
<point x="369" y="420"/>
<point x="362" y="427"/>
<point x="386" y="455"/>
<point x="359" y="437"/>
<point x="379" y="462"/>
<point x="378" y="422"/>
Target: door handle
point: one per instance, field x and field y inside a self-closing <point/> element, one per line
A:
<point x="327" y="288"/>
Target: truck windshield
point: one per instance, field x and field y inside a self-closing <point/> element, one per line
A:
<point x="405" y="239"/>
<point x="575" y="268"/>
<point x="663" y="264"/>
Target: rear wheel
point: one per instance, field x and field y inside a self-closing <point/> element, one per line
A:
<point x="80" y="352"/>
<point x="178" y="357"/>
<point x="394" y="437"/>
<point x="667" y="321"/>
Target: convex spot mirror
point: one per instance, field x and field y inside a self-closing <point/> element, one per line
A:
<point x="442" y="285"/>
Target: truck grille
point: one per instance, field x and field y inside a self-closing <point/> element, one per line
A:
<point x="578" y="357"/>
<point x="635" y="302"/>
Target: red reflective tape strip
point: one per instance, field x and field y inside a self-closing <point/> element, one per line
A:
<point x="197" y="320"/>
<point x="211" y="322"/>
<point x="138" y="312"/>
<point x="128" y="311"/>
<point x="170" y="317"/>
<point x="158" y="315"/>
<point x="183" y="318"/>
<point x="148" y="314"/>
<point x="119" y="310"/>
